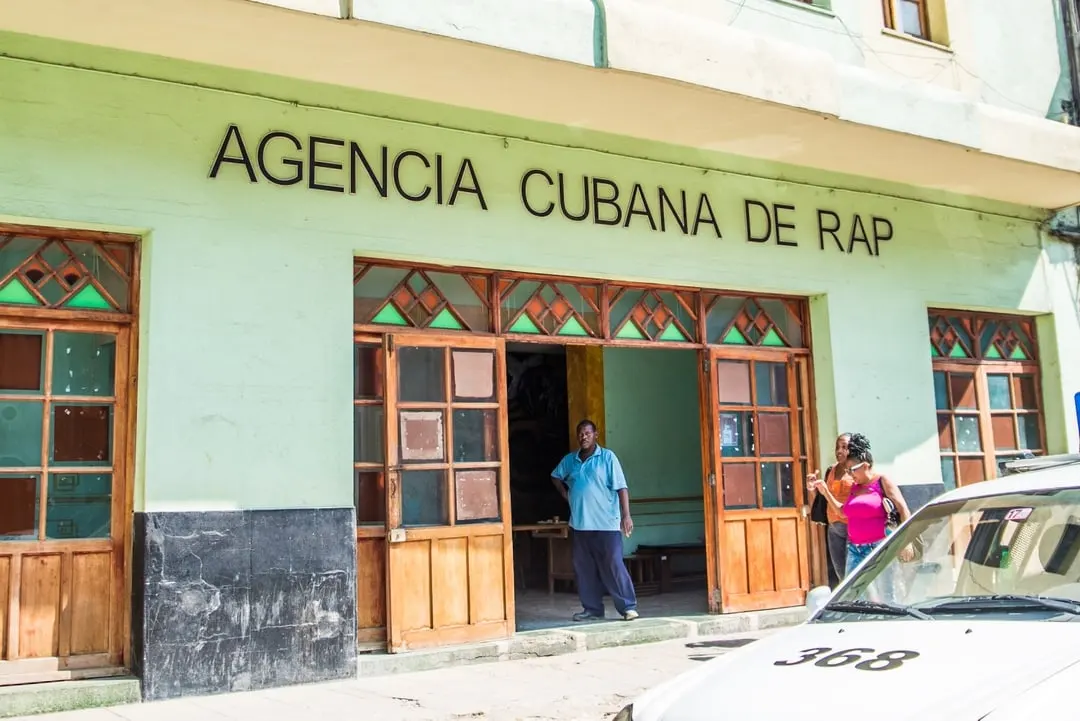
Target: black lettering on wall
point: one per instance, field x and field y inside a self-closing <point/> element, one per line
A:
<point x="883" y="231"/>
<point x="637" y="198"/>
<point x="665" y="205"/>
<point x="381" y="183"/>
<point x="438" y="179"/>
<point x="397" y="176"/>
<point x="858" y="235"/>
<point x="577" y="217"/>
<point x="830" y="229"/>
<point x="750" y="235"/>
<point x="233" y="132"/>
<point x="781" y="225"/>
<point x="294" y="163"/>
<point x="313" y="161"/>
<point x="472" y="187"/>
<point x="525" y="193"/>
<point x="705" y="216"/>
<point x="609" y="200"/>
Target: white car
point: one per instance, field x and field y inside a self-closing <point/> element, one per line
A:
<point x="963" y="614"/>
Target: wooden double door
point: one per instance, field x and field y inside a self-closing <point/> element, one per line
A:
<point x="432" y="491"/>
<point x="64" y="517"/>
<point x="756" y="421"/>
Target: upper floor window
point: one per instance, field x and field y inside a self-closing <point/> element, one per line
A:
<point x="911" y="17"/>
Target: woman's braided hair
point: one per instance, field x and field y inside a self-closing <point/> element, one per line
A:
<point x="859" y="449"/>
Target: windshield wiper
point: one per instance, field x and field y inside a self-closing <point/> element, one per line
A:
<point x="999" y="600"/>
<point x="876" y="607"/>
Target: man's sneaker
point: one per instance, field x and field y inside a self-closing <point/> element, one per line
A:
<point x="630" y="615"/>
<point x="586" y="616"/>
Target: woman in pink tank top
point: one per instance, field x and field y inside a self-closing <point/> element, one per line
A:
<point x="865" y="506"/>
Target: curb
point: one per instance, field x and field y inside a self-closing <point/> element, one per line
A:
<point x="68" y="696"/>
<point x="588" y="637"/>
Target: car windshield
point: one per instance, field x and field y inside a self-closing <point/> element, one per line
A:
<point x="1014" y="556"/>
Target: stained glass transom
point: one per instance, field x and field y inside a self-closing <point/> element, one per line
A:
<point x="421" y="298"/>
<point x="549" y="308"/>
<point x="768" y="322"/>
<point x="66" y="274"/>
<point x="653" y="314"/>
<point x="981" y="337"/>
<point x="570" y="309"/>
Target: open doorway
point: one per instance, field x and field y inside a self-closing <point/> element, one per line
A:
<point x="650" y="418"/>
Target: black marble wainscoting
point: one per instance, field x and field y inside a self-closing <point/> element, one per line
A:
<point x="234" y="601"/>
<point x="918" y="495"/>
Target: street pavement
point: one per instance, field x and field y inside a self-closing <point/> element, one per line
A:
<point x="575" y="687"/>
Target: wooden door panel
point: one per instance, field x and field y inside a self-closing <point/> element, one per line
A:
<point x="39" y="606"/>
<point x="449" y="582"/>
<point x="370" y="590"/>
<point x="449" y="559"/>
<point x="764" y="564"/>
<point x="759" y="433"/>
<point x="410" y="585"/>
<point x="487" y="562"/>
<point x="63" y="587"/>
<point x="90" y="618"/>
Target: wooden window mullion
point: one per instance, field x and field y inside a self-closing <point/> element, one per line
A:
<point x="986" y="429"/>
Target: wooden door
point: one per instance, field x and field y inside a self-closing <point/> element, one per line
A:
<point x="449" y="559"/>
<point x="64" y="515"/>
<point x="759" y="432"/>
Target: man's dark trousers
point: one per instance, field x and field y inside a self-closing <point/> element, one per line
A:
<point x="598" y="566"/>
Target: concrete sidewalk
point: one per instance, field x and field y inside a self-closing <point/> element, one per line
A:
<point x="573" y="687"/>
<point x="554" y="648"/>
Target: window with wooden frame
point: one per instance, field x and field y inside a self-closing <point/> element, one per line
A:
<point x="987" y="393"/>
<point x="923" y="19"/>
<point x="369" y="446"/>
<point x="761" y="435"/>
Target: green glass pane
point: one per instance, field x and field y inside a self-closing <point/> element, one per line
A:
<point x="20" y="433"/>
<point x="446" y="321"/>
<point x="84" y="364"/>
<point x="89" y="297"/>
<point x="524" y="324"/>
<point x="79" y="505"/>
<point x="629" y="330"/>
<point x="673" y="333"/>
<point x="1018" y="354"/>
<point x="734" y="337"/>
<point x="572" y="327"/>
<point x="17" y="294"/>
<point x="997" y="385"/>
<point x="941" y="391"/>
<point x="934" y="351"/>
<point x="958" y="351"/>
<point x="389" y="315"/>
<point x="993" y="352"/>
<point x="772" y="338"/>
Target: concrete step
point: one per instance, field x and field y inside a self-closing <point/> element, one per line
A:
<point x="39" y="698"/>
<point x="575" y="639"/>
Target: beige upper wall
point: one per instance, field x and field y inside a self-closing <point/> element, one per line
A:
<point x="803" y="89"/>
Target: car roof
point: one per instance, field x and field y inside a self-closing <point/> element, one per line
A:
<point x="1057" y="473"/>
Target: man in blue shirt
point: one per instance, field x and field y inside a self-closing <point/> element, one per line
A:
<point x="592" y="481"/>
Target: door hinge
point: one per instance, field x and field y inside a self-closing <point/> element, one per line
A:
<point x="705" y="362"/>
<point x="716" y="598"/>
<point x="805" y="511"/>
<point x="712" y="480"/>
<point x="389" y="343"/>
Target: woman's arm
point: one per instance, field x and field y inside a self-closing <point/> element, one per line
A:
<point x="823" y="488"/>
<point x="893" y="492"/>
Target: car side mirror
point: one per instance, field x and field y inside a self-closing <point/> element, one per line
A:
<point x="816" y="599"/>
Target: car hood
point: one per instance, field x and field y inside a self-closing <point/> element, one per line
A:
<point x="963" y="670"/>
